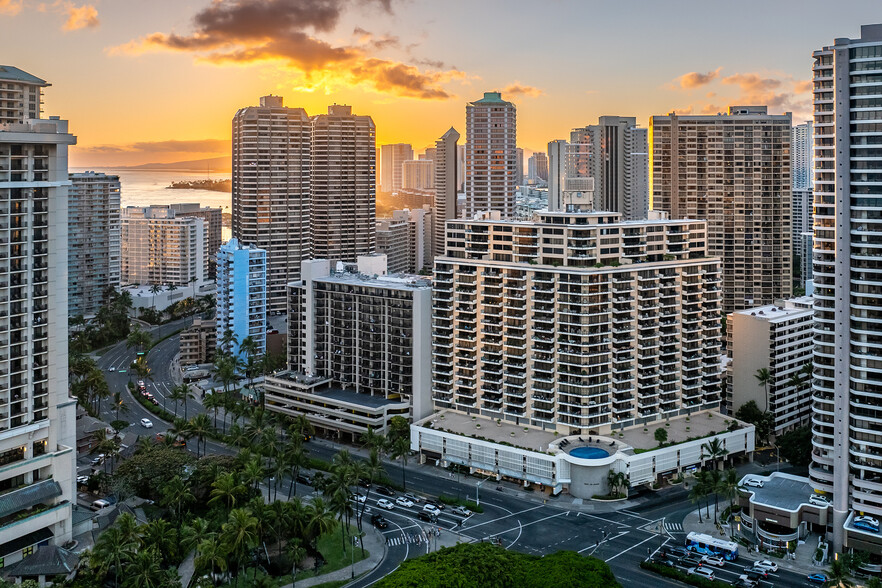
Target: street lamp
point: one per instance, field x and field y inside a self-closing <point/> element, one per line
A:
<point x="477" y="489"/>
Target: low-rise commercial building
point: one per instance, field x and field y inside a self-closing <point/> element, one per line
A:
<point x="199" y="342"/>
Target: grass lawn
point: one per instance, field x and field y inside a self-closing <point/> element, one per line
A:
<point x="330" y="546"/>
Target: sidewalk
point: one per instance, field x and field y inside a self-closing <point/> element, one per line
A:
<point x="374" y="544"/>
<point x="804" y="553"/>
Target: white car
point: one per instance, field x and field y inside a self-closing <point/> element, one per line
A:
<point x="147" y="423"/>
<point x="753" y="482"/>
<point x="867" y="523"/>
<point x="432" y="509"/>
<point x="461" y="511"/>
<point x="819" y="500"/>
<point x="713" y="560"/>
<point x="412" y="497"/>
<point x="359" y="497"/>
<point x="387" y="504"/>
<point x="766" y="565"/>
<point x="402" y="501"/>
<point x="82" y="479"/>
<point x="111" y="369"/>
<point x="703" y="572"/>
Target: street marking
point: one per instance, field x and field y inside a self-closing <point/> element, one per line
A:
<point x="630" y="548"/>
<point x="520" y="530"/>
<point x="585" y="514"/>
<point x="521" y="526"/>
<point x="506" y="516"/>
<point x="674" y="527"/>
<point x="602" y="541"/>
<point x="631" y="514"/>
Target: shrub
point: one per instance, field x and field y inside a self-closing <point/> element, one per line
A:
<point x="677" y="574"/>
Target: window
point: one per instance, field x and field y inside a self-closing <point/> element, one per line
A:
<point x="27" y="551"/>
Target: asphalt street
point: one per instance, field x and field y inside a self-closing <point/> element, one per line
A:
<point x="622" y="538"/>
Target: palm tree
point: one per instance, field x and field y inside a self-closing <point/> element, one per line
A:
<point x="227" y="342"/>
<point x="616" y="480"/>
<point x="714" y="484"/>
<point x="155" y="289"/>
<point x="373" y="440"/>
<point x="714" y="450"/>
<point x="145" y="571"/>
<point x="226" y="489"/>
<point x="112" y="552"/>
<point x="199" y="427"/>
<point x="320" y="520"/>
<point x="176" y="494"/>
<point x="252" y="474"/>
<point x="119" y="404"/>
<point x="296" y="457"/>
<point x="162" y="536"/>
<point x="400" y="450"/>
<point x="301" y="427"/>
<point x="296" y="552"/>
<point x="213" y="402"/>
<point x="698" y="492"/>
<point x="184" y="393"/>
<point x="764" y="378"/>
<point x="138" y="338"/>
<point x="239" y="535"/>
<point x="211" y="555"/>
<point x="840" y="574"/>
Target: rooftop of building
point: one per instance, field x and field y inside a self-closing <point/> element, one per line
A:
<point x="777" y="312"/>
<point x="492" y="98"/>
<point x="697" y="425"/>
<point x="395" y="281"/>
<point x="783" y="491"/>
<point x="93" y="174"/>
<point x="736" y="111"/>
<point x="578" y="219"/>
<point x="324" y="389"/>
<point x="13" y="74"/>
<point x="488" y="429"/>
<point x="234" y="245"/>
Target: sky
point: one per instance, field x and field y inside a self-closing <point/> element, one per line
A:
<point x="160" y="80"/>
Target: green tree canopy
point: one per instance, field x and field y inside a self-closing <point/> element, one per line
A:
<point x="796" y="446"/>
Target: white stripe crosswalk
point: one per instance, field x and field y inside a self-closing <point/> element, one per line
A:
<point x="674" y="527"/>
<point x="403" y="538"/>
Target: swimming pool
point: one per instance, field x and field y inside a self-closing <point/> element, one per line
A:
<point x="589" y="452"/>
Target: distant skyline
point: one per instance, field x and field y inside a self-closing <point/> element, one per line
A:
<point x="161" y="81"/>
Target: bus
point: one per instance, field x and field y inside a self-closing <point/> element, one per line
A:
<point x="708" y="545"/>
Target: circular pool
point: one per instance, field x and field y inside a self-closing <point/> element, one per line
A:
<point x="589" y="452"/>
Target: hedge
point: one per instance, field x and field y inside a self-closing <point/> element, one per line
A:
<point x="678" y="574"/>
<point x="469" y="504"/>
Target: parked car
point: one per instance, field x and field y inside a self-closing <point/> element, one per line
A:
<point x="757" y="572"/>
<point x="866" y="523"/>
<point x="675" y="552"/>
<point x="753" y="482"/>
<point x="111" y="369"/>
<point x="147" y="423"/>
<point x="427" y="516"/>
<point x="99" y="504"/>
<point x="714" y="560"/>
<point x="82" y="479"/>
<point x="693" y="559"/>
<point x="818" y="500"/>
<point x="461" y="511"/>
<point x="702" y="572"/>
<point x="359" y="497"/>
<point x="413" y="497"/>
<point x="379" y="522"/>
<point x="437" y="505"/>
<point x="402" y="501"/>
<point x="817" y="578"/>
<point x="766" y="565"/>
<point x="383" y="503"/>
<point x="432" y="509"/>
<point x="384" y="491"/>
<point x="746" y="581"/>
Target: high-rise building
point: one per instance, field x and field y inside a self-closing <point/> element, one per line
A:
<point x="37" y="415"/>
<point x="391" y="159"/>
<point x="620" y="166"/>
<point x="446" y="173"/>
<point x="93" y="250"/>
<point x="343" y="185"/>
<point x="160" y="248"/>
<point x="20" y="95"/>
<point x="199" y="342"/>
<point x="407" y="240"/>
<point x="801" y="157"/>
<point x="491" y="154"/>
<point x="271" y="190"/>
<point x="519" y="167"/>
<point x="418" y="174"/>
<point x="733" y="170"/>
<point x="393" y="240"/>
<point x="537" y="167"/>
<point x="214" y="223"/>
<point x="576" y="322"/>
<point x="846" y="421"/>
<point x="777" y="338"/>
<point x="557" y="173"/>
<point x="241" y="296"/>
<point x="359" y="350"/>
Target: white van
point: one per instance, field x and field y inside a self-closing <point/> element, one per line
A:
<point x="99" y="504"/>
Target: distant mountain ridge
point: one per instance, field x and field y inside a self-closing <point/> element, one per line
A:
<point x="215" y="164"/>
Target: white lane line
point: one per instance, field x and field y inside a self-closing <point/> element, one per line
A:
<point x="657" y="549"/>
<point x="585" y="514"/>
<point x="630" y="514"/>
<point x="505" y="517"/>
<point x="599" y="543"/>
<point x="530" y="523"/>
<point x="520" y="530"/>
<point x="630" y="548"/>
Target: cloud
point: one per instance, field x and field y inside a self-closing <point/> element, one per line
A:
<point x="696" y="79"/>
<point x="802" y="87"/>
<point x="752" y="84"/>
<point x="258" y="31"/>
<point x="200" y="146"/>
<point x="10" y="7"/>
<point x="519" y="89"/>
<point x="80" y="17"/>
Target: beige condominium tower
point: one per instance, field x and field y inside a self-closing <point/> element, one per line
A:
<point x="491" y="155"/>
<point x="733" y="170"/>
<point x="271" y="190"/>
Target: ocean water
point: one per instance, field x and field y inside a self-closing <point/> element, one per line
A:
<point x="148" y="187"/>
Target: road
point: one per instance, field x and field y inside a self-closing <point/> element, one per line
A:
<point x="622" y="538"/>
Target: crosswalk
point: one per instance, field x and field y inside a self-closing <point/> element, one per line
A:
<point x="403" y="538"/>
<point x="674" y="527"/>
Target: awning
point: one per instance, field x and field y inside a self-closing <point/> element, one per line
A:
<point x="20" y="543"/>
<point x="18" y="500"/>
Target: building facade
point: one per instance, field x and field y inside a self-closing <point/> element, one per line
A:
<point x="199" y="342"/>
<point x="392" y="157"/>
<point x="359" y="348"/>
<point x="21" y="95"/>
<point x="490" y="155"/>
<point x="418" y="174"/>
<point x="214" y="224"/>
<point x="846" y="422"/>
<point x="777" y="338"/>
<point x="343" y="185"/>
<point x="578" y="323"/>
<point x="160" y="248"/>
<point x="446" y="184"/>
<point x="242" y="295"/>
<point x="93" y="256"/>
<point x="733" y="170"/>
<point x="271" y="190"/>
<point x="407" y="240"/>
<point x="393" y="240"/>
<point x="37" y="415"/>
<point x="801" y="155"/>
<point x="537" y="167"/>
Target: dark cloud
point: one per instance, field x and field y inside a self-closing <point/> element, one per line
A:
<point x="250" y="31"/>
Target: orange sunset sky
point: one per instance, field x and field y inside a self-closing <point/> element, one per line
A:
<point x="160" y="80"/>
